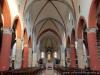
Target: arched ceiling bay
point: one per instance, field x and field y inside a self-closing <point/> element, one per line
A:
<point x="49" y="15"/>
<point x="53" y="41"/>
<point x="49" y="23"/>
<point x="48" y="33"/>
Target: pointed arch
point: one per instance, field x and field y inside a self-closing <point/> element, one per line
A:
<point x="6" y="14"/>
<point x="73" y="37"/>
<point x="54" y="32"/>
<point x="30" y="42"/>
<point x="81" y="26"/>
<point x="68" y="42"/>
<point x="14" y="28"/>
<point x="25" y="37"/>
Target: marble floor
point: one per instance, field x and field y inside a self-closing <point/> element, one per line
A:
<point x="49" y="70"/>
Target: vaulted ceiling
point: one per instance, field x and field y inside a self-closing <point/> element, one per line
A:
<point x="49" y="18"/>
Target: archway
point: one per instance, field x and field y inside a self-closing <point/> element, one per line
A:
<point x="25" y="50"/>
<point x="5" y="47"/>
<point x="49" y="47"/>
<point x="68" y="52"/>
<point x="74" y="61"/>
<point x="85" y="46"/>
<point x="82" y="44"/>
<point x="6" y="14"/>
<point x="16" y="44"/>
<point x="13" y="44"/>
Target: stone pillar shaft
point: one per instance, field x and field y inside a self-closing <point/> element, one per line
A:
<point x="18" y="55"/>
<point x="30" y="58"/>
<point x="80" y="54"/>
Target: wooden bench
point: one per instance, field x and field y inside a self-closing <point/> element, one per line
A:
<point x="25" y="71"/>
<point x="75" y="71"/>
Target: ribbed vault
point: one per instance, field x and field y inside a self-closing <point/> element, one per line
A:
<point x="49" y="18"/>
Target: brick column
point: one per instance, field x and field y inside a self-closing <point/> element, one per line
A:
<point x="80" y="54"/>
<point x="30" y="58"/>
<point x="73" y="56"/>
<point x="25" y="55"/>
<point x="18" y="56"/>
<point x="5" y="49"/>
<point x="93" y="50"/>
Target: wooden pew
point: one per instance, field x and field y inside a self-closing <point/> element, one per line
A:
<point x="25" y="71"/>
<point x="75" y="71"/>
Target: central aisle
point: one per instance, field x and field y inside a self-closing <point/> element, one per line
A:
<point x="49" y="70"/>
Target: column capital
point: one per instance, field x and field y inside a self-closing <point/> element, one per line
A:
<point x="80" y="40"/>
<point x="18" y="40"/>
<point x="89" y="30"/>
<point x="7" y="30"/>
<point x="25" y="45"/>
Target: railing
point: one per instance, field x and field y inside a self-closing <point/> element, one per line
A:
<point x="27" y="71"/>
<point x="75" y="71"/>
